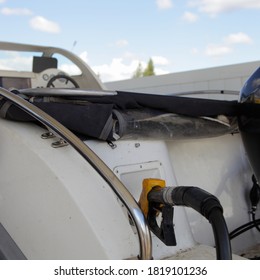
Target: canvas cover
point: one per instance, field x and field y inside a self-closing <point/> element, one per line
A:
<point x="109" y="117"/>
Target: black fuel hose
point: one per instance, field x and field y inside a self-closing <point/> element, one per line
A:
<point x="204" y="203"/>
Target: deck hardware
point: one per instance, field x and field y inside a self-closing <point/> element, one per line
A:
<point x="47" y="135"/>
<point x="60" y="143"/>
<point x="111" y="144"/>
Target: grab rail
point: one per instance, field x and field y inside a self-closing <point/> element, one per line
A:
<point x="117" y="186"/>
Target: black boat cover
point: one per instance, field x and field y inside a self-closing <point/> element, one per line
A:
<point x="99" y="116"/>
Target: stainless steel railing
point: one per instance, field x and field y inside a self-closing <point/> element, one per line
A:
<point x="102" y="169"/>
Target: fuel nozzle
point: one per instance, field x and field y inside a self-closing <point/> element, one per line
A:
<point x="153" y="208"/>
<point x="156" y="198"/>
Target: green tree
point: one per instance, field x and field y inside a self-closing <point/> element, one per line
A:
<point x="138" y="72"/>
<point x="149" y="70"/>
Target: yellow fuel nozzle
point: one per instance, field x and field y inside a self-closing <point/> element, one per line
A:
<point x="148" y="185"/>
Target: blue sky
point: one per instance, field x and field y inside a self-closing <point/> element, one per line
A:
<point x="113" y="36"/>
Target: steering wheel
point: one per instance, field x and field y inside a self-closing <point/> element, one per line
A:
<point x="62" y="76"/>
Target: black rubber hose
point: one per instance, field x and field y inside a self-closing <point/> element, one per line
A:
<point x="204" y="203"/>
<point x="236" y="232"/>
<point x="221" y="235"/>
<point x="208" y="206"/>
<point x="255" y="222"/>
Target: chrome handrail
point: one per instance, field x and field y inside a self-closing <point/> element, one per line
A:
<point x="104" y="171"/>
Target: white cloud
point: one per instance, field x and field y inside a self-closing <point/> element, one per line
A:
<point x="238" y="38"/>
<point x="227" y="44"/>
<point x="121" y="43"/>
<point x="130" y="56"/>
<point x="14" y="61"/>
<point x="217" y="50"/>
<point x="159" y="71"/>
<point x="123" y="68"/>
<point x="214" y="7"/>
<point x="160" y="60"/>
<point x="117" y="69"/>
<point x="164" y="4"/>
<point x="45" y="25"/>
<point x="190" y="17"/>
<point x="16" y="12"/>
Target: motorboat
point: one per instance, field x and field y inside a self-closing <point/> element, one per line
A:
<point x="89" y="173"/>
